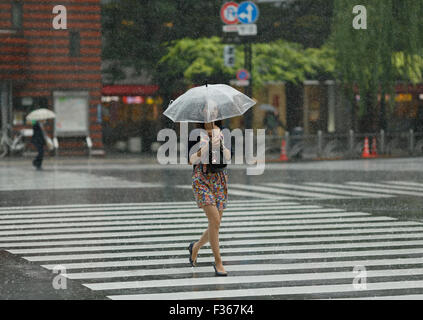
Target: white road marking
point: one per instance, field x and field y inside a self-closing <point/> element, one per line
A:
<point x="244" y="268"/>
<point x="347" y="194"/>
<point x="181" y="229"/>
<point x="371" y="190"/>
<point x="177" y="223"/>
<point x="271" y="291"/>
<point x="224" y="251"/>
<point x="118" y="285"/>
<point x="250" y="241"/>
<point x="287" y="191"/>
<point x="154" y="234"/>
<point x="148" y="244"/>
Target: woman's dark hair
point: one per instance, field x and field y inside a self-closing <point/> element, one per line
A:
<point x="217" y="123"/>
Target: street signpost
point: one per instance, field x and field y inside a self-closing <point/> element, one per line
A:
<point x="243" y="74"/>
<point x="229" y="55"/>
<point x="242" y="78"/>
<point x="240" y="28"/>
<point x="230" y="28"/>
<point x="247" y="29"/>
<point x="228" y="13"/>
<point x="247" y="12"/>
<point x="239" y="83"/>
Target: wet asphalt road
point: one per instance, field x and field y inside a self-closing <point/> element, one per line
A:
<point x="379" y="188"/>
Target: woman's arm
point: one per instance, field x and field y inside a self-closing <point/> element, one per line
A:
<point x="226" y="153"/>
<point x="196" y="157"/>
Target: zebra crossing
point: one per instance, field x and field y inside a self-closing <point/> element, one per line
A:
<point x="325" y="191"/>
<point x="275" y="249"/>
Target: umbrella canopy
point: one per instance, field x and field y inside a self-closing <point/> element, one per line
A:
<point x="40" y="114"/>
<point x="267" y="107"/>
<point x="209" y="103"/>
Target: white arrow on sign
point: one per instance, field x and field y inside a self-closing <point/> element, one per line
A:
<point x="249" y="14"/>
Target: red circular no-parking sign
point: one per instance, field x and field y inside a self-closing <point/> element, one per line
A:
<point x="243" y="74"/>
<point x="228" y="13"/>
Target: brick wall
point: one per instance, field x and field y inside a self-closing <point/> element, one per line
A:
<point x="42" y="54"/>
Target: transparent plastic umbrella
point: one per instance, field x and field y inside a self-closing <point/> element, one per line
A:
<point x="209" y="103"/>
<point x="267" y="107"/>
<point x="40" y="114"/>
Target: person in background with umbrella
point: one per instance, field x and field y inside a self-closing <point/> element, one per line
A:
<point x="39" y="141"/>
<point x="39" y="138"/>
<point x="271" y="120"/>
<point x="207" y="106"/>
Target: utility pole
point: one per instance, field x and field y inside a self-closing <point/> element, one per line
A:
<point x="248" y="89"/>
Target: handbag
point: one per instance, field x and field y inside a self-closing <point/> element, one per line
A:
<point x="214" y="168"/>
<point x="49" y="143"/>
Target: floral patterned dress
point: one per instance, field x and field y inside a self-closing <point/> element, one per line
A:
<point x="210" y="188"/>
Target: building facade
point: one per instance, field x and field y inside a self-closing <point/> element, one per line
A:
<point x="50" y="57"/>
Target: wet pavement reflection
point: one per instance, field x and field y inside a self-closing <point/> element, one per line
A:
<point x="120" y="229"/>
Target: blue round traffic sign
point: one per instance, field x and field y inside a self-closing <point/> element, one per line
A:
<point x="247" y="12"/>
<point x="243" y="74"/>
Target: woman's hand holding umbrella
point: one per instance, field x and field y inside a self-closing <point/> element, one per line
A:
<point x="216" y="138"/>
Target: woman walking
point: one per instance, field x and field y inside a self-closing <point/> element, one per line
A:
<point x="208" y="104"/>
<point x="209" y="184"/>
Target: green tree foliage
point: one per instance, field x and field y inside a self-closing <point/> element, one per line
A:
<point x="375" y="58"/>
<point x="188" y="61"/>
<point x="285" y="61"/>
<point x="134" y="30"/>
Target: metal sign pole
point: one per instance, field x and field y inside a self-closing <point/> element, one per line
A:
<point x="246" y="13"/>
<point x="4" y="103"/>
<point x="249" y="88"/>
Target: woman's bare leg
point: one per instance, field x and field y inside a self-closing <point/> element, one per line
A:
<point x="213" y="230"/>
<point x="209" y="210"/>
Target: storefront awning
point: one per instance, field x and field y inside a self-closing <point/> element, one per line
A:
<point x="129" y="90"/>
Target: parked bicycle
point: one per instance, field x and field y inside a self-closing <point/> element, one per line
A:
<point x="14" y="144"/>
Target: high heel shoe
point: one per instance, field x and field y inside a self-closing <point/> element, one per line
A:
<point x="217" y="273"/>
<point x="192" y="262"/>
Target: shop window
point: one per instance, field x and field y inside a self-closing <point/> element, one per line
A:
<point x="17" y="15"/>
<point x="405" y="107"/>
<point x="24" y="105"/>
<point x="74" y="44"/>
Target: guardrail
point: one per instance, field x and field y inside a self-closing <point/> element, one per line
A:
<point x="345" y="146"/>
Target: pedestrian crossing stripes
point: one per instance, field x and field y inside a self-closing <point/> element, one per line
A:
<point x="271" y="249"/>
<point x="325" y="191"/>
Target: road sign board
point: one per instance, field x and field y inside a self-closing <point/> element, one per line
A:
<point x="243" y="74"/>
<point x="230" y="28"/>
<point x="247" y="29"/>
<point x="228" y="12"/>
<point x="247" y="12"/>
<point x="239" y="83"/>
